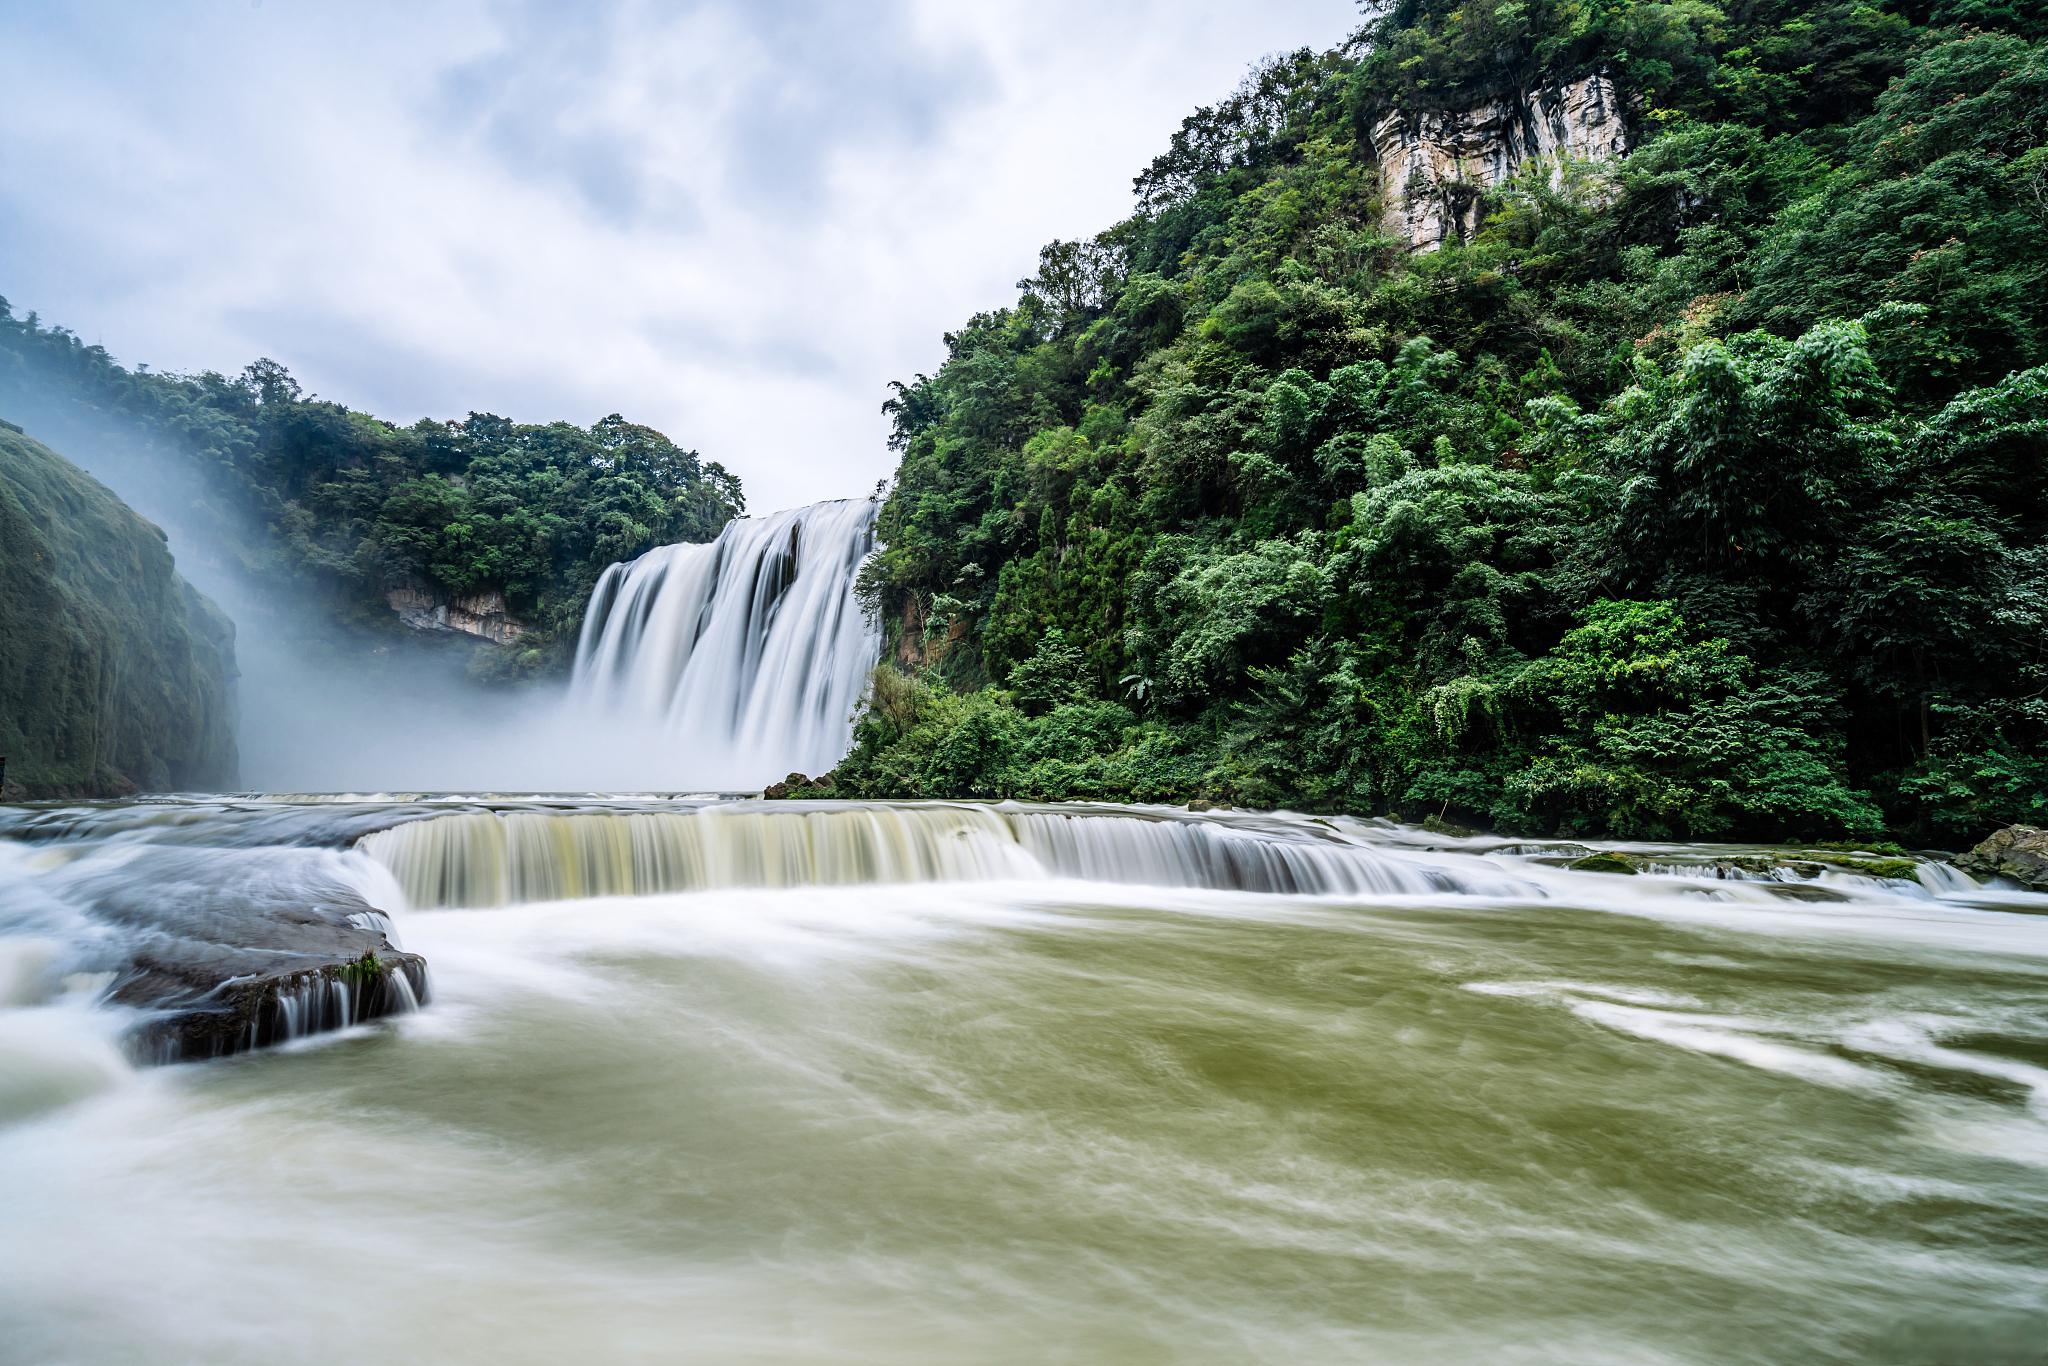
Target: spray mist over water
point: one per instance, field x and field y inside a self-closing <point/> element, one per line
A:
<point x="723" y="665"/>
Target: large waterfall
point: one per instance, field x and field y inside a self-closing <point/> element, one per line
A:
<point x="749" y="653"/>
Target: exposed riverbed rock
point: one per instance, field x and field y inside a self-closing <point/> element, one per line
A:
<point x="1436" y="165"/>
<point x="2018" y="853"/>
<point x="231" y="949"/>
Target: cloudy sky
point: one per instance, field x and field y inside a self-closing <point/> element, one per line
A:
<point x="734" y="221"/>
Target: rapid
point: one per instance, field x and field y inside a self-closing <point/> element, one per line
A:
<point x="658" y="1077"/>
<point x="772" y="1082"/>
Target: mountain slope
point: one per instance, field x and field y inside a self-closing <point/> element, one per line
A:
<point x="115" y="675"/>
<point x="1613" y="418"/>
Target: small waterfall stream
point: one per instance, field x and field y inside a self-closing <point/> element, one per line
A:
<point x="491" y="858"/>
<point x="750" y="651"/>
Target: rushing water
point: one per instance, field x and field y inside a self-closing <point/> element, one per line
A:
<point x="1006" y="1084"/>
<point x="747" y="655"/>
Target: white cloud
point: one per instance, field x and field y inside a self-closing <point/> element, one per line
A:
<point x="735" y="222"/>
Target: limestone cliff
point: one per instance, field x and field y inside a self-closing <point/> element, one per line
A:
<point x="482" y="615"/>
<point x="115" y="674"/>
<point x="1436" y="165"/>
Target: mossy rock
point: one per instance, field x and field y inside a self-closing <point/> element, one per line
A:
<point x="797" y="787"/>
<point x="1603" y="863"/>
<point x="115" y="674"/>
<point x="1894" y="869"/>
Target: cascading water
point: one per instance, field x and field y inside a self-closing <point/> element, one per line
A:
<point x="488" y="858"/>
<point x="956" y="1081"/>
<point x="748" y="653"/>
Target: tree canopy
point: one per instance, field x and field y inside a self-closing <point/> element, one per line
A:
<point x="1698" y="494"/>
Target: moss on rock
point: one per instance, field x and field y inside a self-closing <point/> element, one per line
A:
<point x="1602" y="863"/>
<point x="115" y="674"/>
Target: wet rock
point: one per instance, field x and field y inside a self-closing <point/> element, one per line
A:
<point x="796" y="785"/>
<point x="255" y="1012"/>
<point x="227" y="950"/>
<point x="2018" y="853"/>
<point x="1893" y="869"/>
<point x="1602" y="863"/>
<point x="1804" y="891"/>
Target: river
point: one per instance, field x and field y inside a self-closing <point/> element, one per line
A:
<point x="1010" y="1097"/>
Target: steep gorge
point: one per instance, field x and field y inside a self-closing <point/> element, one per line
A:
<point x="115" y="673"/>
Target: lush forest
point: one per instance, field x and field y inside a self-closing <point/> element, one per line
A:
<point x="306" y="492"/>
<point x="1698" y="493"/>
<point x="114" y="673"/>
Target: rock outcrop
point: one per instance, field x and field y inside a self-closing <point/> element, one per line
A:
<point x="115" y="674"/>
<point x="224" y="950"/>
<point x="482" y="615"/>
<point x="1435" y="166"/>
<point x="2018" y="853"/>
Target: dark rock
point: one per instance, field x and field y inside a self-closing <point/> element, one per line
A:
<point x="255" y="1012"/>
<point x="227" y="950"/>
<point x="2018" y="853"/>
<point x="796" y="785"/>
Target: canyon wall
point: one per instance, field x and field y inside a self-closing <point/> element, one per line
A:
<point x="1437" y="164"/>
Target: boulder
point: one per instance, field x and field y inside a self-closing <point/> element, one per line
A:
<point x="2018" y="853"/>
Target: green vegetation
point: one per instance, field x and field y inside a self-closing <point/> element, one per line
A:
<point x="114" y="674"/>
<point x="1700" y="494"/>
<point x="1900" y="869"/>
<point x="349" y="507"/>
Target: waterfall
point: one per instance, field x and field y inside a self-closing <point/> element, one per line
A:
<point x="751" y="650"/>
<point x="488" y="858"/>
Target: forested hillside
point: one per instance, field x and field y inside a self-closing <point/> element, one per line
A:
<point x="337" y="502"/>
<point x="114" y="674"/>
<point x="1697" y="492"/>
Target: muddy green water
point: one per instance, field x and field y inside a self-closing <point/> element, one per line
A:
<point x="1077" y="1123"/>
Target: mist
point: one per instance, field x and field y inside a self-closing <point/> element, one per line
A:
<point x="323" y="706"/>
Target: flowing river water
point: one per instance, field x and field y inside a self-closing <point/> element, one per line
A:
<point x="751" y="1083"/>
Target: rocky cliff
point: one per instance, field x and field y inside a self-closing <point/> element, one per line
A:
<point x="1436" y="165"/>
<point x="115" y="674"/>
<point x="482" y="615"/>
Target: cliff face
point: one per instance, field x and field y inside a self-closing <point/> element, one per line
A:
<point x="1435" y="165"/>
<point x="115" y="674"/>
<point x="482" y="615"/>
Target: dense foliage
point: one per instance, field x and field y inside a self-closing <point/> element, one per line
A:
<point x="308" y="490"/>
<point x="1703" y="493"/>
<point x="114" y="674"/>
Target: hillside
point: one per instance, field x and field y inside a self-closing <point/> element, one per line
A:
<point x="115" y="675"/>
<point x="493" y="528"/>
<point x="1611" y="418"/>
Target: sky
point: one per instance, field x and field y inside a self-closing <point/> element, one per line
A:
<point x="732" y="221"/>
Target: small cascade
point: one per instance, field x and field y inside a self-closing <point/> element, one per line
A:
<point x="483" y="858"/>
<point x="299" y="1006"/>
<point x="487" y="858"/>
<point x="749" y="653"/>
<point x="1176" y="853"/>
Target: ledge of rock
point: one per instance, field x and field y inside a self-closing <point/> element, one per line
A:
<point x="1436" y="166"/>
<point x="2018" y="853"/>
<point x="221" y="964"/>
<point x="482" y="615"/>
